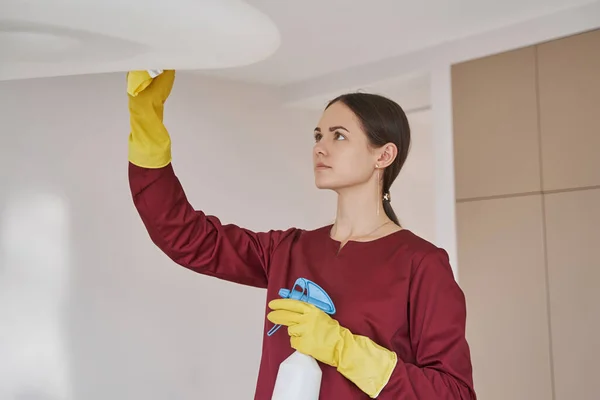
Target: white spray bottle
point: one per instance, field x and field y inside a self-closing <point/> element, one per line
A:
<point x="299" y="375"/>
<point x="298" y="378"/>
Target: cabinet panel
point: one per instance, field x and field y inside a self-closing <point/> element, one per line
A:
<point x="569" y="95"/>
<point x="573" y="236"/>
<point x="501" y="269"/>
<point x="496" y="125"/>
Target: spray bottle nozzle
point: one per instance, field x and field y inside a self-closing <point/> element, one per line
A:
<point x="308" y="292"/>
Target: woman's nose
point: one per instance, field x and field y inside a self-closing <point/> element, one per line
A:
<point x="320" y="149"/>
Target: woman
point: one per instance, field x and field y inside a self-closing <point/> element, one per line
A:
<point x="399" y="329"/>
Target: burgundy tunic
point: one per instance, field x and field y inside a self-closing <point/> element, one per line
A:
<point x="397" y="290"/>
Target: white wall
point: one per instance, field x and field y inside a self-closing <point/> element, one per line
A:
<point x="89" y="308"/>
<point x="443" y="156"/>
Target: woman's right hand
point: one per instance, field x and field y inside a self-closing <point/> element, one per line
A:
<point x="149" y="140"/>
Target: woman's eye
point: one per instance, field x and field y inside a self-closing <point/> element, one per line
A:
<point x="339" y="136"/>
<point x="318" y="137"/>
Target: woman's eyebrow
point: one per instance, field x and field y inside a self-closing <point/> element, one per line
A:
<point x="333" y="128"/>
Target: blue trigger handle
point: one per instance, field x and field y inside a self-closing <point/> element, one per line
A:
<point x="308" y="292"/>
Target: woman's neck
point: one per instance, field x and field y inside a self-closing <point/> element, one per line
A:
<point x="358" y="215"/>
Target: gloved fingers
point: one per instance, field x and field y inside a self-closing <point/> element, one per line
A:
<point x="284" y="317"/>
<point x="296" y="330"/>
<point x="137" y="81"/>
<point x="164" y="83"/>
<point x="141" y="85"/>
<point x="296" y="306"/>
<point x="296" y="342"/>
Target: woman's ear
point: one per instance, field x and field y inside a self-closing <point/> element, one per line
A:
<point x="387" y="155"/>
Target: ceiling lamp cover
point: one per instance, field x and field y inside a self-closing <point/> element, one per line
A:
<point x="42" y="38"/>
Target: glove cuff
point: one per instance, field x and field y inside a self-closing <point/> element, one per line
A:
<point x="140" y="155"/>
<point x="367" y="364"/>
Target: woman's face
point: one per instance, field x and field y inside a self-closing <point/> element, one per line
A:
<point x="342" y="156"/>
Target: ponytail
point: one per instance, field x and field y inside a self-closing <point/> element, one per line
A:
<point x="389" y="211"/>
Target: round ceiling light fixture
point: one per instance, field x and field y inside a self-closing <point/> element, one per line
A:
<point x="63" y="37"/>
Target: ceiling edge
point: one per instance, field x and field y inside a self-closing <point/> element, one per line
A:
<point x="560" y="24"/>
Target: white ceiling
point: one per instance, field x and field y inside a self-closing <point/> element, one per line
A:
<point x="291" y="44"/>
<point x="41" y="38"/>
<point x="324" y="36"/>
<point x="411" y="90"/>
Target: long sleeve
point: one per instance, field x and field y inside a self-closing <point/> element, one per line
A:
<point x="194" y="240"/>
<point x="442" y="367"/>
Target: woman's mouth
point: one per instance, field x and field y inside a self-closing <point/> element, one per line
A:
<point x="321" y="166"/>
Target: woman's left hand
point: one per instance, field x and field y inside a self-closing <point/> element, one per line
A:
<point x="316" y="334"/>
<point x="311" y="330"/>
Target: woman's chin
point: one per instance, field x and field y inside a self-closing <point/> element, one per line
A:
<point x="322" y="184"/>
<point x="325" y="184"/>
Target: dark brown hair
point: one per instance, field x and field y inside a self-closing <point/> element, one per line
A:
<point x="384" y="121"/>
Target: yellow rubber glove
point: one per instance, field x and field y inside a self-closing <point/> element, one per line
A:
<point x="149" y="140"/>
<point x="313" y="332"/>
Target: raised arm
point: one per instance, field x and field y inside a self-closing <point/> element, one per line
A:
<point x="189" y="237"/>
